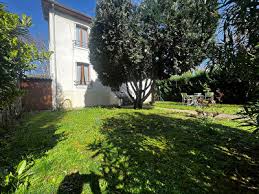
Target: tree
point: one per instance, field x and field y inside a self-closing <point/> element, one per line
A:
<point x="251" y="108"/>
<point x="136" y="44"/>
<point x="236" y="57"/>
<point x="240" y="31"/>
<point x="16" y="56"/>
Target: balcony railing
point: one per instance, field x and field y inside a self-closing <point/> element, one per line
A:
<point x="81" y="44"/>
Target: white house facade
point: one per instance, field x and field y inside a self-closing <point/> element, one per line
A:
<point x="74" y="82"/>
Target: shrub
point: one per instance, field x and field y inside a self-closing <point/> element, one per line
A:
<point x="15" y="182"/>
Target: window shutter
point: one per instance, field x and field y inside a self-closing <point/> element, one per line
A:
<point x="77" y="35"/>
<point x="86" y="71"/>
<point x="84" y="38"/>
<point x="87" y="38"/>
<point x="78" y="73"/>
<point x="81" y="36"/>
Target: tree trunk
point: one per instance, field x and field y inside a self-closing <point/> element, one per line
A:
<point x="138" y="101"/>
<point x="153" y="93"/>
<point x="140" y="93"/>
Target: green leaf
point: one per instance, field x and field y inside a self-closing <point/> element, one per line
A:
<point x="21" y="167"/>
<point x="13" y="53"/>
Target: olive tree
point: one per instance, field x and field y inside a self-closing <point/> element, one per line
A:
<point x="136" y="44"/>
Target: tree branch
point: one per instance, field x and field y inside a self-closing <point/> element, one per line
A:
<point x="146" y="96"/>
<point x="150" y="83"/>
<point x="128" y="91"/>
<point x="133" y="87"/>
<point x="145" y="86"/>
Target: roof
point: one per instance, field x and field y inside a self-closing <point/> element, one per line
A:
<point x="47" y="5"/>
<point x="37" y="77"/>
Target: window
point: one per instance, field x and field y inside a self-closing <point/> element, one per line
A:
<point x="83" y="74"/>
<point x="81" y="36"/>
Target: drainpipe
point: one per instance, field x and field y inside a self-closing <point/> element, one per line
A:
<point x="55" y="57"/>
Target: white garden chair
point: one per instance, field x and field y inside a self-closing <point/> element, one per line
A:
<point x="186" y="99"/>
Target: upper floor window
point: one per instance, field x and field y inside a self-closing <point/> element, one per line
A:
<point x="83" y="74"/>
<point x="81" y="36"/>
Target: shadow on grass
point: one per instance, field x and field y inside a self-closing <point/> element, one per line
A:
<point x="159" y="154"/>
<point x="35" y="135"/>
<point x="74" y="183"/>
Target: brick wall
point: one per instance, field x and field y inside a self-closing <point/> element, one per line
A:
<point x="38" y="94"/>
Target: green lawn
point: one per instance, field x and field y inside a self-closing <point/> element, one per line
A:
<point x="216" y="108"/>
<point x="99" y="150"/>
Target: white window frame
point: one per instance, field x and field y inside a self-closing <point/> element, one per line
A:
<point x="75" y="38"/>
<point x="89" y="74"/>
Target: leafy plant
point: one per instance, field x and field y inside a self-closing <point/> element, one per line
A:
<point x="17" y="55"/>
<point x="251" y="113"/>
<point x="17" y="181"/>
<point x="206" y="88"/>
<point x="189" y="82"/>
<point x="232" y="55"/>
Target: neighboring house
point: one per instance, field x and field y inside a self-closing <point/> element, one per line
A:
<point x="74" y="81"/>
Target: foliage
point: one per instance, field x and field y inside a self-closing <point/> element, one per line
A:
<point x="15" y="182"/>
<point x="237" y="56"/>
<point x="240" y="31"/>
<point x="197" y="81"/>
<point x="119" y="54"/>
<point x="189" y="82"/>
<point x="251" y="112"/>
<point x="143" y="151"/>
<point x="149" y="40"/>
<point x="16" y="56"/>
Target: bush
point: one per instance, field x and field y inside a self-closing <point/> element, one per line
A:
<point x="234" y="90"/>
<point x="188" y="82"/>
<point x="15" y="182"/>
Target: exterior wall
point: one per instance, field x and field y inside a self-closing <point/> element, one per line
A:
<point x="149" y="98"/>
<point x="38" y="94"/>
<point x="62" y="29"/>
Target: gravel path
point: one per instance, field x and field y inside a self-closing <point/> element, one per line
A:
<point x="196" y="113"/>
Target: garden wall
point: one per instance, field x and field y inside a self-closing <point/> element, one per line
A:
<point x="38" y="94"/>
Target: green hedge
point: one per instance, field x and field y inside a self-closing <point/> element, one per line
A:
<point x="196" y="82"/>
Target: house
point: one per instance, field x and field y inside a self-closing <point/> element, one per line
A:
<point x="74" y="81"/>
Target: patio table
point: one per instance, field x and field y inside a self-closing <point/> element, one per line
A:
<point x="195" y="98"/>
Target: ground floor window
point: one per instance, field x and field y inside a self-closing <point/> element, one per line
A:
<point x="83" y="73"/>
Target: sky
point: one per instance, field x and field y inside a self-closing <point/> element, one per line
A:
<point x="33" y="9"/>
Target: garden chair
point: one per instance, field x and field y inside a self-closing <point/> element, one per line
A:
<point x="185" y="98"/>
<point x="210" y="97"/>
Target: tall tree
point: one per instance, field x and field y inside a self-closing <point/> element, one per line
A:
<point x="252" y="107"/>
<point x="138" y="43"/>
<point x="236" y="57"/>
<point x="240" y="31"/>
<point x="16" y="56"/>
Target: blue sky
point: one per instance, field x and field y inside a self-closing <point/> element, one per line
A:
<point x="33" y="9"/>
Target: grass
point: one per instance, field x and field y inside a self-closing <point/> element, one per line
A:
<point x="216" y="108"/>
<point x="99" y="150"/>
